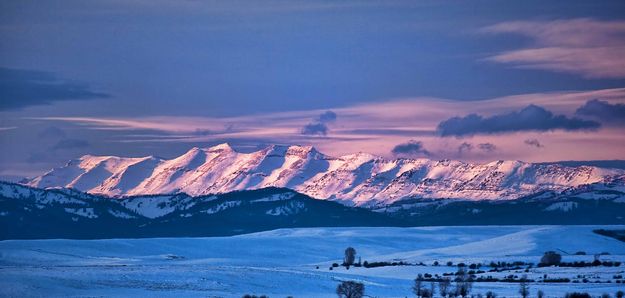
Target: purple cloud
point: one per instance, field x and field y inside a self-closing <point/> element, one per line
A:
<point x="327" y="116"/>
<point x="411" y="148"/>
<point x="534" y="143"/>
<point x="319" y="125"/>
<point x="487" y="147"/>
<point x="603" y="111"/>
<point x="315" y="129"/>
<point x="530" y="118"/>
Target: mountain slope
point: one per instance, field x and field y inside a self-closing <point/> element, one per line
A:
<point x="359" y="179"/>
<point x="27" y="212"/>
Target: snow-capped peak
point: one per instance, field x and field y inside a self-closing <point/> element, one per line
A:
<point x="359" y="178"/>
<point x="220" y="147"/>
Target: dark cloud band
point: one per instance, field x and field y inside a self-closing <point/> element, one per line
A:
<point x="603" y="111"/>
<point x="530" y="118"/>
<point x="411" y="148"/>
<point x="319" y="125"/>
<point x="22" y="88"/>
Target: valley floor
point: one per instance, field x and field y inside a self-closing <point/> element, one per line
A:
<point x="296" y="262"/>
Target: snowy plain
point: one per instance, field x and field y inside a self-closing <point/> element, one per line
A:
<point x="296" y="262"/>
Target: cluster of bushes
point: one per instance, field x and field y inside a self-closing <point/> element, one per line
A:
<point x="619" y="294"/>
<point x="552" y="258"/>
<point x="383" y="264"/>
<point x="557" y="279"/>
<point x="353" y="289"/>
<point x="464" y="278"/>
<point x="371" y="264"/>
<point x="509" y="264"/>
<point x="594" y="263"/>
<point x="504" y="269"/>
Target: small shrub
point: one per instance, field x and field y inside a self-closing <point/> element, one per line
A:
<point x="577" y="295"/>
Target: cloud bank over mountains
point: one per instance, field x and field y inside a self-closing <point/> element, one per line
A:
<point x="530" y="118"/>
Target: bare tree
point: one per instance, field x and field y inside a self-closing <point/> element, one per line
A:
<point x="443" y="286"/>
<point x="417" y="288"/>
<point x="432" y="289"/>
<point x="540" y="294"/>
<point x="350" y="289"/>
<point x="464" y="283"/>
<point x="524" y="287"/>
<point x="350" y="256"/>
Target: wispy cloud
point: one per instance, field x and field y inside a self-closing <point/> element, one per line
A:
<point x="588" y="47"/>
<point x="378" y="127"/>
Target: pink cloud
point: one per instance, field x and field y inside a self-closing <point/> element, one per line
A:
<point x="591" y="48"/>
<point x="378" y="127"/>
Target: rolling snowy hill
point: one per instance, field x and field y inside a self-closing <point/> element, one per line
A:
<point x="356" y="179"/>
<point x="296" y="262"/>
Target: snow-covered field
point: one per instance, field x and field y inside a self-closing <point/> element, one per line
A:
<point x="284" y="262"/>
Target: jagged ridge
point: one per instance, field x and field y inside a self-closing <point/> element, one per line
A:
<point x="359" y="179"/>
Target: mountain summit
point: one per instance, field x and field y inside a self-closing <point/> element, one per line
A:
<point x="358" y="179"/>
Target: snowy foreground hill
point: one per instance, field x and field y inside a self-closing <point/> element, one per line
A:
<point x="297" y="262"/>
<point x="357" y="179"/>
<point x="31" y="213"/>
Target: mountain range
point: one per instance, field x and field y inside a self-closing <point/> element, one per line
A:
<point x="218" y="191"/>
<point x="358" y="179"/>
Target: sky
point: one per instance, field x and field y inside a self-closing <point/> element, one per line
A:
<point x="471" y="80"/>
